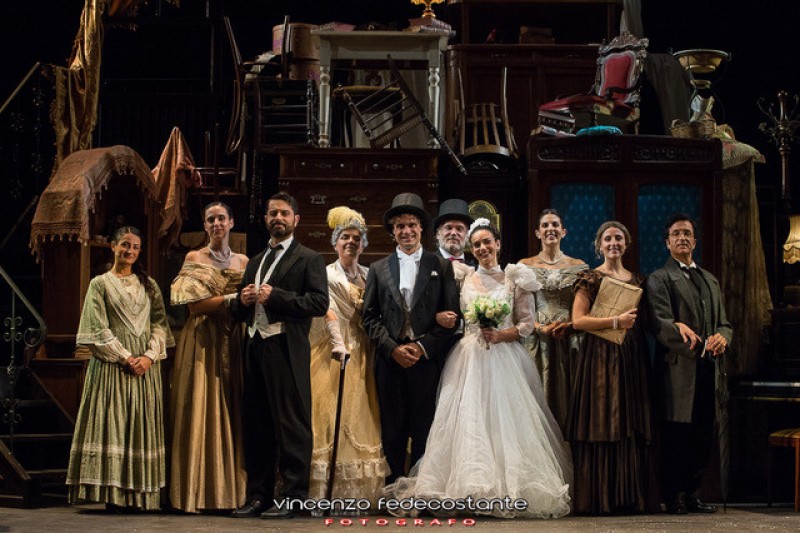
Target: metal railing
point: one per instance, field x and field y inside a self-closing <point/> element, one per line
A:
<point x="18" y="336"/>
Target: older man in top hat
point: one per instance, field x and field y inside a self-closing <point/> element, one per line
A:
<point x="403" y="294"/>
<point x="451" y="228"/>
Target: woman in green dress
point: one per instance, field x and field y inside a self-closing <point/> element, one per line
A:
<point x="117" y="455"/>
<point x="554" y="343"/>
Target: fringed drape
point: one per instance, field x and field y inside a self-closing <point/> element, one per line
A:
<point x="744" y="272"/>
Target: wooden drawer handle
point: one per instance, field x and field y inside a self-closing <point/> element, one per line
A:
<point x="390" y="166"/>
<point x="319" y="165"/>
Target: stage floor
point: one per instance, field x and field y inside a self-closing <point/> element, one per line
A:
<point x="93" y="518"/>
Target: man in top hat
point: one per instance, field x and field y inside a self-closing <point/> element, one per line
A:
<point x="451" y="228"/>
<point x="404" y="292"/>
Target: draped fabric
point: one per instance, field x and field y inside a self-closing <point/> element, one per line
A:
<point x="65" y="207"/>
<point x="118" y="454"/>
<point x="77" y="86"/>
<point x="173" y="175"/>
<point x="743" y="279"/>
<point x="207" y="468"/>
<point x="360" y="464"/>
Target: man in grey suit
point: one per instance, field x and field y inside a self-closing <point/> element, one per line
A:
<point x="404" y="292"/>
<point x="689" y="323"/>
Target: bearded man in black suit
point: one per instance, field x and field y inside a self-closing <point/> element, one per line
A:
<point x="282" y="289"/>
<point x="404" y="292"/>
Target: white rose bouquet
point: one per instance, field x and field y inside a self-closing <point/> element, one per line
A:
<point x="487" y="312"/>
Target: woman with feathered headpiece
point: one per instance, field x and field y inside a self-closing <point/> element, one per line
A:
<point x="360" y="464"/>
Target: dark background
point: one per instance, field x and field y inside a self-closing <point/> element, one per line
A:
<point x="175" y="43"/>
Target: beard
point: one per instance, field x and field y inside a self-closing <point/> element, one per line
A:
<point x="280" y="231"/>
<point x="451" y="247"/>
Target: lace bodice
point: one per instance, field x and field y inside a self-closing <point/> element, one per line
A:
<point x="554" y="300"/>
<point x="515" y="285"/>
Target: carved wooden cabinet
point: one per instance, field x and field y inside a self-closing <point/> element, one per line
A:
<point x="364" y="179"/>
<point x="536" y="74"/>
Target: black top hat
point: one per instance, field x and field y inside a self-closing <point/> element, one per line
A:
<point x="453" y="209"/>
<point x="406" y="203"/>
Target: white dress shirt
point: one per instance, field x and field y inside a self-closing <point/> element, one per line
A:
<point x="261" y="322"/>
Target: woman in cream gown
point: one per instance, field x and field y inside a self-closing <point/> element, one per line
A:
<point x="493" y="435"/>
<point x="207" y="468"/>
<point x="360" y="464"/>
<point x="117" y="455"/>
<point x="554" y="343"/>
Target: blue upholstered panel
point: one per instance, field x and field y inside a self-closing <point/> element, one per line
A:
<point x="584" y="207"/>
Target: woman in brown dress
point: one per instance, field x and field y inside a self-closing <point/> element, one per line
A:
<point x="207" y="470"/>
<point x="610" y="425"/>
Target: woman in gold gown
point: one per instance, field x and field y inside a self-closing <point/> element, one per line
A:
<point x="207" y="468"/>
<point x="360" y="464"/>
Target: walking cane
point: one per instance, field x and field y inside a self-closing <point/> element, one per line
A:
<point x="337" y="423"/>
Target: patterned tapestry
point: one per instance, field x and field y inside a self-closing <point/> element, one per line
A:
<point x="656" y="202"/>
<point x="583" y="206"/>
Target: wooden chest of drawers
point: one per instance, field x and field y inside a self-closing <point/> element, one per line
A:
<point x="363" y="179"/>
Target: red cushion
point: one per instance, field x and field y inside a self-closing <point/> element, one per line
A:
<point x="571" y="103"/>
<point x="618" y="72"/>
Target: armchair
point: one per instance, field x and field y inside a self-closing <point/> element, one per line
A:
<point x="614" y="97"/>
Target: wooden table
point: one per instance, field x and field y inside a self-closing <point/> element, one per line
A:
<point x="338" y="46"/>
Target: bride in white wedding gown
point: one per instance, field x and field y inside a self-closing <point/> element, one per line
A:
<point x="493" y="435"/>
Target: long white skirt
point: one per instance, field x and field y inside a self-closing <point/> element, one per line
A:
<point x="493" y="436"/>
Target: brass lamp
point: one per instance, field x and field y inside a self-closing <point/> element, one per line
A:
<point x="428" y="13"/>
<point x="791" y="250"/>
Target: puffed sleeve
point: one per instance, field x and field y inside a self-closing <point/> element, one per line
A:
<point x="189" y="287"/>
<point x="160" y="333"/>
<point x="588" y="280"/>
<point x="523" y="282"/>
<point x="94" y="332"/>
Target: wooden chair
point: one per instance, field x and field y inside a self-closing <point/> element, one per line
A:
<point x="614" y="97"/>
<point x="282" y="109"/>
<point x="342" y="116"/>
<point x="384" y="117"/>
<point x="484" y="128"/>
<point x="789" y="438"/>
